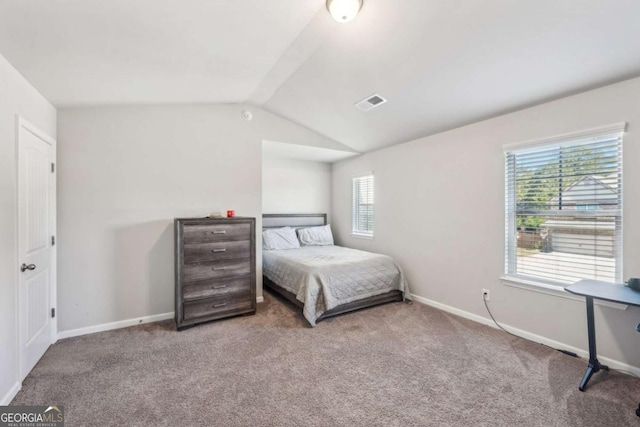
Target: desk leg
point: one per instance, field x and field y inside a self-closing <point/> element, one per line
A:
<point x="594" y="364"/>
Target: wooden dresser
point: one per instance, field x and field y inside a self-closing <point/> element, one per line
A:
<point x="215" y="269"/>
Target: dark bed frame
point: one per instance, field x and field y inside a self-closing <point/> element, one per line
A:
<point x="313" y="220"/>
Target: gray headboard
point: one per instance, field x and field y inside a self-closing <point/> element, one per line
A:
<point x="293" y="220"/>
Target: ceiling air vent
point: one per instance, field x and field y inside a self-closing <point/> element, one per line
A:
<point x="370" y="102"/>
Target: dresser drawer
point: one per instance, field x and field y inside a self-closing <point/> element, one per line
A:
<point x="216" y="232"/>
<point x="215" y="266"/>
<point x="217" y="305"/>
<point x="211" y="288"/>
<point x="216" y="269"/>
<point x="197" y="252"/>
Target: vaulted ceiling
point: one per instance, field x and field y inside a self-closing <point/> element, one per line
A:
<point x="440" y="63"/>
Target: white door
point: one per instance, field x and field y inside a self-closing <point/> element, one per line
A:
<point x="36" y="223"/>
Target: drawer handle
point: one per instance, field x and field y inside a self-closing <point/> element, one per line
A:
<point x="219" y="305"/>
<point x="219" y="268"/>
<point x="219" y="287"/>
<point x="219" y="250"/>
<point x="219" y="232"/>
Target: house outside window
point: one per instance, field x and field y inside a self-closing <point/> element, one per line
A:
<point x="587" y="207"/>
<point x="362" y="208"/>
<point x="564" y="208"/>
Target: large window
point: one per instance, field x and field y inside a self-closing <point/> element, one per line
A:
<point x="564" y="208"/>
<point x="362" y="210"/>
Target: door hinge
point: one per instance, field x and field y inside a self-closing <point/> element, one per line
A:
<point x="53" y="240"/>
<point x="53" y="167"/>
<point x="53" y="312"/>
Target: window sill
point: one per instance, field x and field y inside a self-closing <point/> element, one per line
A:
<point x="558" y="291"/>
<point x="362" y="236"/>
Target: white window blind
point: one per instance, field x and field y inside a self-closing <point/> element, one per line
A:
<point x="362" y="210"/>
<point x="564" y="209"/>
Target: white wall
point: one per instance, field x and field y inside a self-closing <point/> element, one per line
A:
<point x="440" y="212"/>
<point x="125" y="173"/>
<point x="17" y="96"/>
<point x="295" y="186"/>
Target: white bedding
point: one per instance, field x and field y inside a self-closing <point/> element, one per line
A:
<point x="323" y="277"/>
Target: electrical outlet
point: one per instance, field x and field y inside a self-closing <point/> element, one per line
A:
<point x="486" y="294"/>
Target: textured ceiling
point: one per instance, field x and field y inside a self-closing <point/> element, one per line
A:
<point x="447" y="63"/>
<point x="93" y="52"/>
<point x="440" y="63"/>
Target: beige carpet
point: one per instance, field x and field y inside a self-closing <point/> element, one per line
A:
<point x="394" y="365"/>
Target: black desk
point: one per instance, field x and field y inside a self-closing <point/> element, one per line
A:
<point x="595" y="289"/>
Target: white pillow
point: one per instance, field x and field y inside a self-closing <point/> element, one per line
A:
<point x="316" y="236"/>
<point x="279" y="239"/>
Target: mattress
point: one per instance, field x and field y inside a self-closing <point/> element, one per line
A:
<point x="324" y="277"/>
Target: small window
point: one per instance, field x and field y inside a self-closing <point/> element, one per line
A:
<point x="362" y="211"/>
<point x="564" y="208"/>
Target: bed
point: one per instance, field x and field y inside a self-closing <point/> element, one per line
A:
<point x="325" y="281"/>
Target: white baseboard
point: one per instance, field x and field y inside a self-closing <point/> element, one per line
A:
<point x="583" y="353"/>
<point x="7" y="398"/>
<point x="114" y="325"/>
<point x="453" y="310"/>
<point x="121" y="324"/>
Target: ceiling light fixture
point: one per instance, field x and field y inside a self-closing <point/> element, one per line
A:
<point x="344" y="11"/>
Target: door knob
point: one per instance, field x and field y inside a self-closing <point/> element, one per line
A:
<point x="25" y="267"/>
